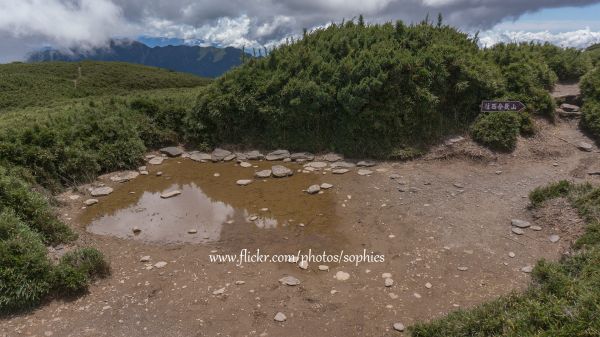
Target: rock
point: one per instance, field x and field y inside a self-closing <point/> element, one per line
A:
<point x="388" y="282"/>
<point x="583" y="146"/>
<point x="342" y="164"/>
<point x="142" y="168"/>
<point x="160" y="264"/>
<point x="171" y="194"/>
<point x="280" y="171"/>
<point x="386" y="275"/>
<point x="323" y="267"/>
<point x="527" y="269"/>
<point x="326" y="186"/>
<point x="341" y="276"/>
<point x="280" y="317"/>
<point x="536" y="228"/>
<point x="365" y="163"/>
<point x="144" y="173"/>
<point x="569" y="107"/>
<point x="302" y="156"/>
<point x="254" y="155"/>
<point x="554" y="238"/>
<point x="239" y="283"/>
<point x="243" y="182"/>
<point x="518" y="231"/>
<point x="159" y="173"/>
<point x="156" y="161"/>
<point x="340" y="171"/>
<point x="303" y="264"/>
<point x="240" y="157"/>
<point x="398" y="326"/>
<point x="229" y="157"/>
<point x="90" y="202"/>
<point x="394" y="176"/>
<point x="171" y="151"/>
<point x="263" y="174"/>
<point x="219" y="154"/>
<point x="289" y="281"/>
<point x="201" y="157"/>
<point x="463" y="268"/>
<point x="219" y="291"/>
<point x="245" y="164"/>
<point x="145" y="258"/>
<point x="124" y="176"/>
<point x="332" y="157"/>
<point x="313" y="189"/>
<point x="568" y="114"/>
<point x="428" y="285"/>
<point x="511" y="254"/>
<point x="317" y="164"/>
<point x="136" y="230"/>
<point x="520" y="223"/>
<point x="278" y="155"/>
<point x="192" y="231"/>
<point x="458" y="185"/>
<point x="101" y="191"/>
<point x="455" y="140"/>
<point x="364" y="172"/>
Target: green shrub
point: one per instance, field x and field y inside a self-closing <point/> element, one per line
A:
<point x="590" y="85"/>
<point x="590" y="118"/>
<point x="541" y="194"/>
<point x="498" y="130"/>
<point x="77" y="268"/>
<point x="25" y="271"/>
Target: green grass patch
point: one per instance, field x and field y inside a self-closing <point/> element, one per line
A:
<point x="498" y="130"/>
<point x="541" y="194"/>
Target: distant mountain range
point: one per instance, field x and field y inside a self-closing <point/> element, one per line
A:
<point x="201" y="61"/>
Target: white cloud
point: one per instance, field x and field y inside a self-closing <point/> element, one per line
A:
<point x="577" y="38"/>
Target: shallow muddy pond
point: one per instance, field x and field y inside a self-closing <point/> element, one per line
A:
<point x="211" y="206"/>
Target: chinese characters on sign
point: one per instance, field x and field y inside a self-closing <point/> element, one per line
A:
<point x="493" y="106"/>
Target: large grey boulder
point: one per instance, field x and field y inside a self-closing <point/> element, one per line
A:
<point x="280" y="171"/>
<point x="171" y="151"/>
<point x="302" y="156"/>
<point x="200" y="156"/>
<point x="254" y="155"/>
<point x="219" y="154"/>
<point x="101" y="191"/>
<point x="278" y="155"/>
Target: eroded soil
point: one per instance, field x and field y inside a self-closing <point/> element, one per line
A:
<point x="456" y="212"/>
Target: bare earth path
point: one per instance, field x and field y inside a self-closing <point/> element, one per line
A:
<point x="455" y="212"/>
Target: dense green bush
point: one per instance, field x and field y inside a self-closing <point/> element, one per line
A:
<point x="590" y="85"/>
<point x="77" y="268"/>
<point x="593" y="53"/>
<point x="498" y="130"/>
<point x="361" y="90"/>
<point x="590" y="118"/>
<point x="564" y="298"/>
<point x="25" y="271"/>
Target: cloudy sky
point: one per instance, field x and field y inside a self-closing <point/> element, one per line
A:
<point x="27" y="25"/>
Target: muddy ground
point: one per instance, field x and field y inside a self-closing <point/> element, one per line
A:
<point x="455" y="212"/>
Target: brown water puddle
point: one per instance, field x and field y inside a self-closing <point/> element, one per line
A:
<point x="215" y="206"/>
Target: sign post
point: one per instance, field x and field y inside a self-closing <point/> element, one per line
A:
<point x="496" y="106"/>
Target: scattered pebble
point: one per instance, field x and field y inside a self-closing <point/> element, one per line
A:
<point x="171" y="194"/>
<point x="289" y="281"/>
<point x="527" y="269"/>
<point x="280" y="317"/>
<point x="554" y="238"/>
<point x="160" y="264"/>
<point x="398" y="326"/>
<point x="341" y="276"/>
<point x="511" y="254"/>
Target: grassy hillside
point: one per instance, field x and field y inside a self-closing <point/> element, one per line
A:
<point x="374" y="90"/>
<point x="37" y="84"/>
<point x="54" y="135"/>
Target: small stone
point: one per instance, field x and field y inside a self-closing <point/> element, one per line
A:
<point x="289" y="281"/>
<point x="239" y="283"/>
<point x="386" y="275"/>
<point x="511" y="254"/>
<point x="192" y="231"/>
<point x="326" y="186"/>
<point x="365" y="163"/>
<point x="428" y="285"/>
<point x="313" y="189"/>
<point x="145" y="258"/>
<point x="101" y="191"/>
<point x="300" y="156"/>
<point x="159" y="173"/>
<point x="317" y="164"/>
<point x="254" y="155"/>
<point x="219" y="155"/>
<point x="156" y="161"/>
<point x="332" y="157"/>
<point x="323" y="267"/>
<point x="393" y="296"/>
<point x="280" y="171"/>
<point x="463" y="268"/>
<point x="243" y="182"/>
<point x="498" y="172"/>
<point x="171" y="151"/>
<point x="303" y="264"/>
<point x="399" y="326"/>
<point x="124" y="176"/>
<point x="200" y="157"/>
<point x="160" y="264"/>
<point x="518" y="231"/>
<point x="253" y="218"/>
<point x="219" y="291"/>
<point x="216" y="175"/>
<point x="229" y="157"/>
<point x="90" y="202"/>
<point x="364" y="172"/>
<point x="520" y="223"/>
<point x="171" y="194"/>
<point x="278" y="155"/>
<point x="341" y="276"/>
<point x="536" y="228"/>
<point x="263" y="174"/>
<point x="527" y="269"/>
<point x="554" y="238"/>
<point x="388" y="282"/>
<point x="342" y="164"/>
<point x="569" y="107"/>
<point x="340" y="171"/>
<point x="136" y="230"/>
<point x="587" y="147"/>
<point x="245" y="164"/>
<point x="280" y="317"/>
<point x="394" y="176"/>
<point x="458" y="185"/>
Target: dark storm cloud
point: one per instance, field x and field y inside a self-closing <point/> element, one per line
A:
<point x="228" y="22"/>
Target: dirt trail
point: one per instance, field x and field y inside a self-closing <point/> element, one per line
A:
<point x="456" y="212"/>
